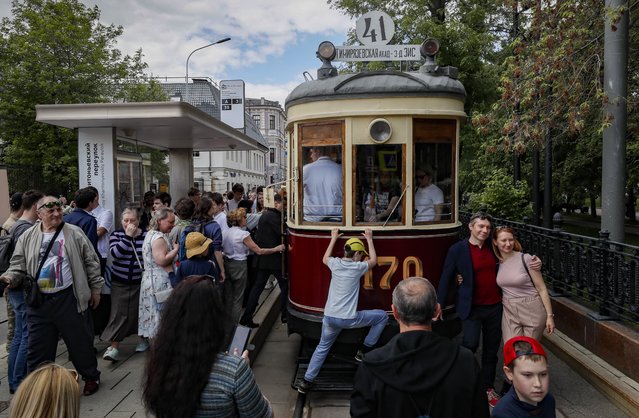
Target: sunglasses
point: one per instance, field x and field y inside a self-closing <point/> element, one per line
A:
<point x="481" y="216"/>
<point x="51" y="205"/>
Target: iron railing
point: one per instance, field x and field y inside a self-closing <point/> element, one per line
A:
<point x="596" y="271"/>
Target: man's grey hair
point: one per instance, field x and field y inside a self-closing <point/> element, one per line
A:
<point x="415" y="301"/>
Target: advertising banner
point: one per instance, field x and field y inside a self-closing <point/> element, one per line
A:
<point x="96" y="165"/>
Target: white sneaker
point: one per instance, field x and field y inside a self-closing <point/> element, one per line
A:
<point x="111" y="354"/>
<point x="142" y="346"/>
<point x="270" y="283"/>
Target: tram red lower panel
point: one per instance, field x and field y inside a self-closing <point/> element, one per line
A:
<point x="400" y="254"/>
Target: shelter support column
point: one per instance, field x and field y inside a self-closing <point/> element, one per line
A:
<point x="96" y="163"/>
<point x="180" y="172"/>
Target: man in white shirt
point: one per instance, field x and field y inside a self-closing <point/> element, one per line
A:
<point x="323" y="194"/>
<point x="428" y="197"/>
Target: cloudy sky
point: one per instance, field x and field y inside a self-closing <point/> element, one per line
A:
<point x="272" y="41"/>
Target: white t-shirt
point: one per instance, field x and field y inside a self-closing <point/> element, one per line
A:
<point x="322" y="190"/>
<point x="104" y="218"/>
<point x="220" y="218"/>
<point x="343" y="292"/>
<point x="233" y="243"/>
<point x="56" y="272"/>
<point x="425" y="200"/>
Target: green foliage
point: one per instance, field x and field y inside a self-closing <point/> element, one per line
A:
<point x="54" y="52"/>
<point x="502" y="197"/>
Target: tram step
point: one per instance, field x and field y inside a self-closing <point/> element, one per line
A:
<point x="337" y="374"/>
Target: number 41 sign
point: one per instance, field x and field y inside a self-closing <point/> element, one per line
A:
<point x="375" y="28"/>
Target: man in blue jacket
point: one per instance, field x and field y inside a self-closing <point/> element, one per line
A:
<point x="478" y="300"/>
<point x="86" y="200"/>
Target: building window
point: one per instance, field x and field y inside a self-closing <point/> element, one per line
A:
<point x="258" y="120"/>
<point x="271" y="122"/>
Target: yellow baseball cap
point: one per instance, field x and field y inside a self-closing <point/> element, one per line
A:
<point x="356" y="244"/>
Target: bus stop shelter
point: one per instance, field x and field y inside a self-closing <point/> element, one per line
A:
<point x="176" y="127"/>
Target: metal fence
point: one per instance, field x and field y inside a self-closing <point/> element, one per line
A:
<point x="23" y="177"/>
<point x="594" y="270"/>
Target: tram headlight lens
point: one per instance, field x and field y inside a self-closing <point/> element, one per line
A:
<point x="326" y="51"/>
<point x="430" y="47"/>
<point x="380" y="130"/>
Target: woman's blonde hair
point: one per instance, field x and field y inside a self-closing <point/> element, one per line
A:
<point x="51" y="391"/>
<point x="235" y="217"/>
<point x="159" y="214"/>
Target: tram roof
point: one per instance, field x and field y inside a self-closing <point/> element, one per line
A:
<point x="377" y="84"/>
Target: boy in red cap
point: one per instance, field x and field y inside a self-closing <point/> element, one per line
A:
<point x="526" y="365"/>
<point x="341" y="311"/>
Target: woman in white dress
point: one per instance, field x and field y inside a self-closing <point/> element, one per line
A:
<point x="158" y="253"/>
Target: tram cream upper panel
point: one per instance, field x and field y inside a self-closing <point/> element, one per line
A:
<point x="387" y="106"/>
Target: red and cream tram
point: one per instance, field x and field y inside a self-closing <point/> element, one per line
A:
<point x="389" y="141"/>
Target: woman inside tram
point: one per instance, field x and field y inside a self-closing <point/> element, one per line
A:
<point x="188" y="371"/>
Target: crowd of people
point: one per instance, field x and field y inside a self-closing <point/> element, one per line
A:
<point x="216" y="253"/>
<point x="76" y="273"/>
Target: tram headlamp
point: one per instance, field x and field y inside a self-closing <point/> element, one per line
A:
<point x="429" y="48"/>
<point x="326" y="52"/>
<point x="380" y="130"/>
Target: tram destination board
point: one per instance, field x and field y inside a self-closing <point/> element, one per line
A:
<point x="378" y="53"/>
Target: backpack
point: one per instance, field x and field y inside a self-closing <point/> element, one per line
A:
<point x="6" y="249"/>
<point x="194" y="227"/>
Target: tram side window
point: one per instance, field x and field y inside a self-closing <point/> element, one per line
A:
<point x="433" y="171"/>
<point x="322" y="183"/>
<point x="378" y="183"/>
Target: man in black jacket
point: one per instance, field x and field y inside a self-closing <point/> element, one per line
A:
<point x="269" y="235"/>
<point x="418" y="373"/>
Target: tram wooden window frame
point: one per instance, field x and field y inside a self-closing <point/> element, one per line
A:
<point x="427" y="131"/>
<point x="403" y="220"/>
<point x="319" y="137"/>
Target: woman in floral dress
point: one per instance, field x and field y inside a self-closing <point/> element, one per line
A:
<point x="158" y="253"/>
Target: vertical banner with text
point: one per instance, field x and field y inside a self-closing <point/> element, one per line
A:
<point x="96" y="163"/>
<point x="233" y="102"/>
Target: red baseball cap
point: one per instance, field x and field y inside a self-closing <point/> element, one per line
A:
<point x="509" y="350"/>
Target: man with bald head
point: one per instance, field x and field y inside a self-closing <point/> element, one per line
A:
<point x="418" y="373"/>
<point x="69" y="279"/>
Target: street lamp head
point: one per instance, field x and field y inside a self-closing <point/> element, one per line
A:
<point x="223" y="40"/>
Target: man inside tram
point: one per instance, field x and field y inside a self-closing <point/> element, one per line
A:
<point x="384" y="199"/>
<point x="429" y="198"/>
<point x="322" y="180"/>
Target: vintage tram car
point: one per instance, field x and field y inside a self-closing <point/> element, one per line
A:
<point x="386" y="131"/>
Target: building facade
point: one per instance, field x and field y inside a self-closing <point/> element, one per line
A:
<point x="270" y="118"/>
<point x="218" y="170"/>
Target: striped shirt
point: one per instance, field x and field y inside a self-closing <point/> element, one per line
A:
<point x="125" y="266"/>
<point x="232" y="391"/>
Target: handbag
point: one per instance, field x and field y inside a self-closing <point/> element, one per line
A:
<point x="160" y="295"/>
<point x="32" y="294"/>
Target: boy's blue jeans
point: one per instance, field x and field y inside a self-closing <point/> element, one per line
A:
<point x="331" y="328"/>
<point x="17" y="360"/>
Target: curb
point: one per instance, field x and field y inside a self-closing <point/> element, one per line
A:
<point x="612" y="383"/>
<point x="266" y="315"/>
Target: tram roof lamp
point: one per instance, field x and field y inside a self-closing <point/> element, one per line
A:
<point x="326" y="52"/>
<point x="428" y="49"/>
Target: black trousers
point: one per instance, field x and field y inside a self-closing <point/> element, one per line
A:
<point x="256" y="291"/>
<point x="484" y="321"/>
<point x="58" y="315"/>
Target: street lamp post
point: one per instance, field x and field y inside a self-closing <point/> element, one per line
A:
<point x="186" y="78"/>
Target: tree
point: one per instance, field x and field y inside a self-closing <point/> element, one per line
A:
<point x="54" y="52"/>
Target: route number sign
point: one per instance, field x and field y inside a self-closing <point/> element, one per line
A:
<point x="375" y="28"/>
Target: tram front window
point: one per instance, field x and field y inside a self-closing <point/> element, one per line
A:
<point x="380" y="192"/>
<point x="322" y="184"/>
